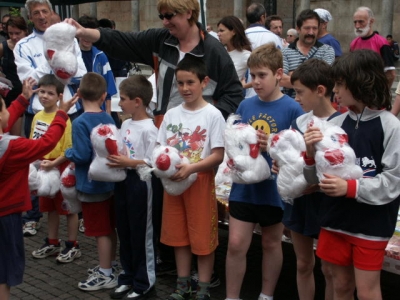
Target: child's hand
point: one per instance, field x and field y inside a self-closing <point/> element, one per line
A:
<point x="65" y="105"/>
<point x="311" y="189"/>
<point x="47" y="165"/>
<point x="184" y="171"/>
<point x="27" y="88"/>
<point x="275" y="167"/>
<point x="312" y="136"/>
<point x="333" y="186"/>
<point x="119" y="161"/>
<point x="262" y="139"/>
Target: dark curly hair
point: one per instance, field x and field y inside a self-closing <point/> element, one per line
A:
<point x="362" y="71"/>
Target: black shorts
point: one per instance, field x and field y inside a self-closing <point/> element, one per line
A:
<point x="12" y="254"/>
<point x="265" y="215"/>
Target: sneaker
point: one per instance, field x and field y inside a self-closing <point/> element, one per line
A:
<point x="30" y="228"/>
<point x="115" y="269"/>
<point x="46" y="250"/>
<point x="165" y="268"/>
<point x="180" y="295"/>
<point x="69" y="253"/>
<point x="81" y="226"/>
<point x="135" y="296"/>
<point x="203" y="297"/>
<point x="120" y="291"/>
<point x="194" y="280"/>
<point x="98" y="281"/>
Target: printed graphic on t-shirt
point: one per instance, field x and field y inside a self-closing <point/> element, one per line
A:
<point x="39" y="129"/>
<point x="129" y="145"/>
<point x="264" y="122"/>
<point x="189" y="143"/>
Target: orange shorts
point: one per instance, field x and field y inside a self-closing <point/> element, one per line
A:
<point x="344" y="250"/>
<point x="191" y="219"/>
<point x="47" y="204"/>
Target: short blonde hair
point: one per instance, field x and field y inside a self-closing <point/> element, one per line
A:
<point x="266" y="56"/>
<point x="180" y="7"/>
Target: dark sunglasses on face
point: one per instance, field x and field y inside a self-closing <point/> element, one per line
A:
<point x="167" y="16"/>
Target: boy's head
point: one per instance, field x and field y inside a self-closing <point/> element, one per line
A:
<point x="265" y="64"/>
<point x="50" y="92"/>
<point x="266" y="56"/>
<point x="312" y="80"/>
<point x="93" y="87"/>
<point x="135" y="89"/>
<point x="362" y="74"/>
<point x="191" y="76"/>
<point x="87" y="22"/>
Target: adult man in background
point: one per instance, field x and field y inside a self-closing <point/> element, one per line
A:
<point x="211" y="31"/>
<point x="31" y="62"/>
<point x="394" y="46"/>
<point x="323" y="35"/>
<point x="256" y="32"/>
<point x="291" y="35"/>
<point x="274" y="23"/>
<point x="305" y="47"/>
<point x="366" y="38"/>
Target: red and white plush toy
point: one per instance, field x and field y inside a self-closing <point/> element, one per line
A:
<point x="287" y="148"/>
<point x="333" y="155"/>
<point x="106" y="140"/>
<point x="68" y="190"/>
<point x="49" y="182"/>
<point x="164" y="162"/>
<point x="245" y="162"/>
<point x="59" y="49"/>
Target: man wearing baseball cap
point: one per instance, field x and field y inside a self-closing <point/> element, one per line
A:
<point x="323" y="35"/>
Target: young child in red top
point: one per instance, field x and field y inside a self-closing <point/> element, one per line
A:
<point x="16" y="154"/>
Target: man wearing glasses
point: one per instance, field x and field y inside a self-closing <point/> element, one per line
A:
<point x="291" y="35"/>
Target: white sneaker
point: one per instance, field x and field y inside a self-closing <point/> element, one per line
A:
<point x="98" y="281"/>
<point x="30" y="228"/>
<point x="46" y="250"/>
<point x="81" y="227"/>
<point x="69" y="253"/>
<point x="115" y="269"/>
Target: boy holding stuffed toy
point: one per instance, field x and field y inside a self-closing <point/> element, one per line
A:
<point x="189" y="220"/>
<point x="15" y="156"/>
<point x="269" y="112"/>
<point x="96" y="196"/>
<point x="50" y="91"/>
<point x="136" y="201"/>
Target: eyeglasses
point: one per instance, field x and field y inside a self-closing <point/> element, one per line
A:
<point x="167" y="16"/>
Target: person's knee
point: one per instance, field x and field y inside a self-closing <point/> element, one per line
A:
<point x="305" y="267"/>
<point x="343" y="286"/>
<point x="236" y="247"/>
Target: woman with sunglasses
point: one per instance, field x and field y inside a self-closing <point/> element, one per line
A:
<point x="231" y="34"/>
<point x="163" y="48"/>
<point x="17" y="29"/>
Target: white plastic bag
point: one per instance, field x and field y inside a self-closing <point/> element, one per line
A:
<point x="49" y="182"/>
<point x="68" y="190"/>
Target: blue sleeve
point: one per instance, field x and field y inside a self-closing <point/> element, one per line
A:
<point x="82" y="150"/>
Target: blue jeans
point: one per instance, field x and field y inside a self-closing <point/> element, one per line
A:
<point x="34" y="214"/>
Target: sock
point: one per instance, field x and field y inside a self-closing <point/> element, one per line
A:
<point x="265" y="297"/>
<point x="106" y="272"/>
<point x="183" y="284"/>
<point x="54" y="242"/>
<point x="73" y="243"/>
<point x="203" y="288"/>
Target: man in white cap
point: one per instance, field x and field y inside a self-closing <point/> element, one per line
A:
<point x="323" y="35"/>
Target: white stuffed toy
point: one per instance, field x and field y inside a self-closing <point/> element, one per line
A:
<point x="106" y="140"/>
<point x="68" y="190"/>
<point x="164" y="162"/>
<point x="333" y="155"/>
<point x="33" y="179"/>
<point x="245" y="162"/>
<point x="287" y="148"/>
<point x="49" y="182"/>
<point x="59" y="50"/>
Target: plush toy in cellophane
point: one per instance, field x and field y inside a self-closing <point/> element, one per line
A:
<point x="164" y="162"/>
<point x="287" y="148"/>
<point x="68" y="190"/>
<point x="106" y="140"/>
<point x="49" y="182"/>
<point x="333" y="155"/>
<point x="59" y="50"/>
<point x="245" y="162"/>
<point x="33" y="179"/>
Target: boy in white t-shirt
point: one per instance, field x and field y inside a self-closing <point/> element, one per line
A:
<point x="190" y="221"/>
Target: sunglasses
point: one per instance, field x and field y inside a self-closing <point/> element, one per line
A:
<point x="167" y="16"/>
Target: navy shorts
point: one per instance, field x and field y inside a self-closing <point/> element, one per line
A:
<point x="265" y="215"/>
<point x="12" y="253"/>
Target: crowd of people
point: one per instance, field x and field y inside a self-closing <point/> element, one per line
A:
<point x="273" y="83"/>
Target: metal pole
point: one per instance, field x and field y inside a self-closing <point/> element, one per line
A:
<point x="239" y="9"/>
<point x="304" y="4"/>
<point x="387" y="17"/>
<point x="93" y="10"/>
<point x="202" y="12"/>
<point x="135" y="15"/>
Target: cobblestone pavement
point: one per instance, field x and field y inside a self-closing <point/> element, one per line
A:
<point x="45" y="279"/>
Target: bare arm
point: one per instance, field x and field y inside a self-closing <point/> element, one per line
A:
<point x="396" y="105"/>
<point x="91" y="35"/>
<point x="285" y="81"/>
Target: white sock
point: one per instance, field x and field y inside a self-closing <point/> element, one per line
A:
<point x="232" y="299"/>
<point x="265" y="297"/>
<point x="106" y="272"/>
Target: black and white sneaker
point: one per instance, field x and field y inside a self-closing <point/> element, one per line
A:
<point x="46" y="250"/>
<point x="98" y="281"/>
<point x="69" y="253"/>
